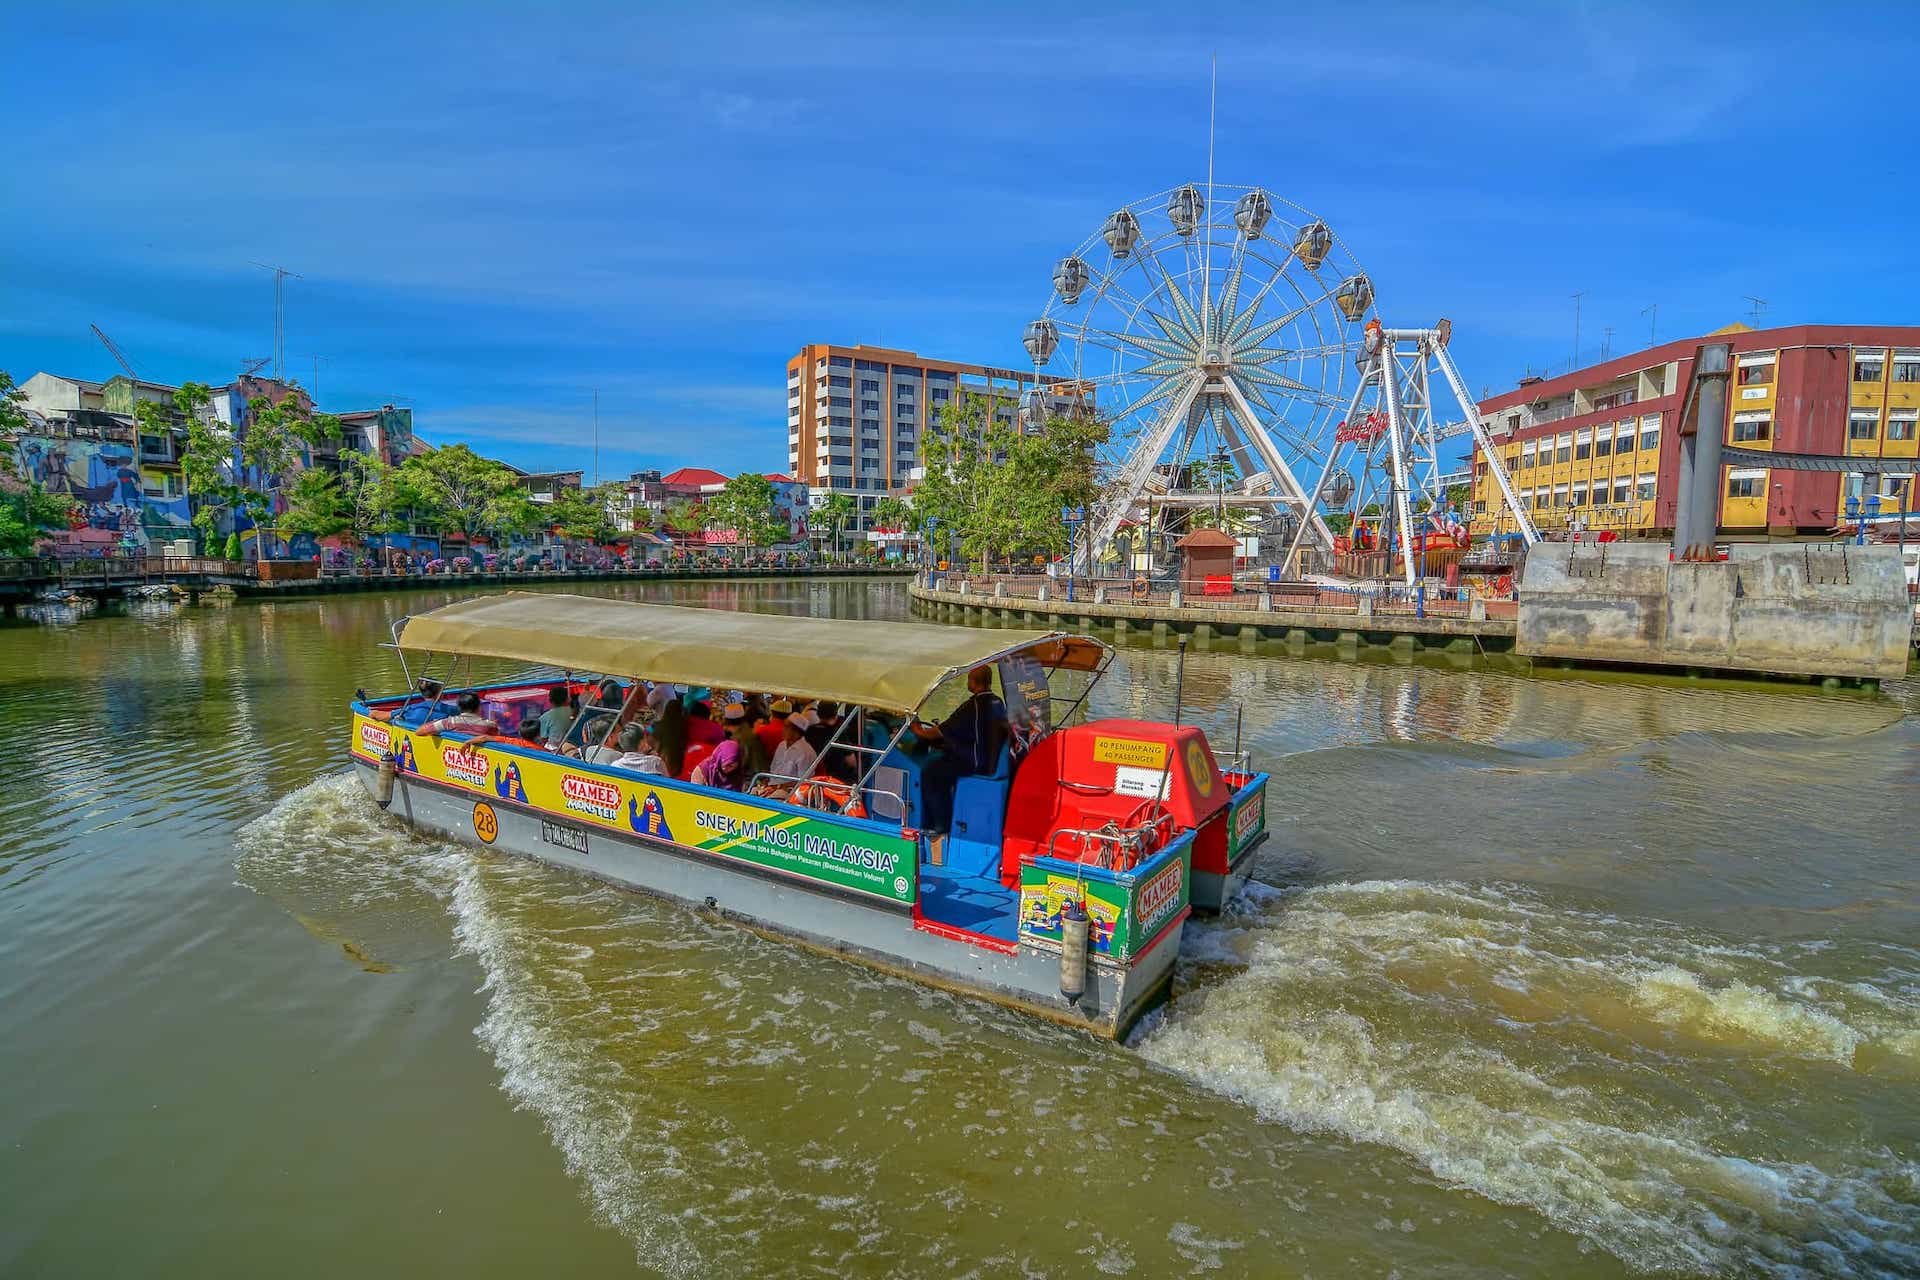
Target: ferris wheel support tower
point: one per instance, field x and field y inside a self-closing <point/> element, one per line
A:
<point x="1395" y="448"/>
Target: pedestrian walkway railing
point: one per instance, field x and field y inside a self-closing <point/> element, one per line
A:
<point x="1278" y="597"/>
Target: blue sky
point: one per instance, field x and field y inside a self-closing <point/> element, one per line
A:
<point x="496" y="210"/>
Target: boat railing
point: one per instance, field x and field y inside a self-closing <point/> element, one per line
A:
<point x="853" y="790"/>
<point x="1240" y="762"/>
<point x="1112" y="847"/>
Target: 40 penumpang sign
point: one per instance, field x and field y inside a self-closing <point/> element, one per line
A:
<point x="811" y="846"/>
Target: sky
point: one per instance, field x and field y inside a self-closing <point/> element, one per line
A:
<point x="495" y="210"/>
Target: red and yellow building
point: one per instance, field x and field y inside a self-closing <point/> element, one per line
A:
<point x="1597" y="448"/>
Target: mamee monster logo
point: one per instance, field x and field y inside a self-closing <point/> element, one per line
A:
<point x="648" y="819"/>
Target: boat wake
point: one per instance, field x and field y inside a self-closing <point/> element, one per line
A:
<point x="1641" y="1085"/>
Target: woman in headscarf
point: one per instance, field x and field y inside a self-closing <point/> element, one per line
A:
<point x="724" y="770"/>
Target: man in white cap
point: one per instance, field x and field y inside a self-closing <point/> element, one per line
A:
<point x="795" y="758"/>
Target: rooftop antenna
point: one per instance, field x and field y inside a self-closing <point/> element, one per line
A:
<point x="596" y="435"/>
<point x="251" y="365"/>
<point x="313" y="388"/>
<point x="1652" y="312"/>
<point x="1759" y="305"/>
<point x="1606" y="342"/>
<point x="114" y="351"/>
<point x="1213" y="100"/>
<point x="280" y="275"/>
<point x="1576" y="330"/>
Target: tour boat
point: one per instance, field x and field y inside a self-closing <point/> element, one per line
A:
<point x="1060" y="889"/>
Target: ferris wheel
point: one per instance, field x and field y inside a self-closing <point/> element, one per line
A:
<point x="1218" y="330"/>
<point x="1232" y="344"/>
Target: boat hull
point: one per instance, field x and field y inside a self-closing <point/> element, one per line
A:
<point x="1213" y="890"/>
<point x="880" y="935"/>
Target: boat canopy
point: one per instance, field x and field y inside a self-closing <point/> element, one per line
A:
<point x="889" y="665"/>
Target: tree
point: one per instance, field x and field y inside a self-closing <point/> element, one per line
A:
<point x="684" y="517"/>
<point x="468" y="492"/>
<point x="584" y="513"/>
<point x="892" y="513"/>
<point x="998" y="489"/>
<point x="27" y="509"/>
<point x="316" y="504"/>
<point x="746" y="506"/>
<point x="835" y="512"/>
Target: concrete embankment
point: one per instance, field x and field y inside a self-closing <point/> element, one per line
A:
<point x="1357" y="624"/>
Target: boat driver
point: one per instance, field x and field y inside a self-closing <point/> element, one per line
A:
<point x="970" y="741"/>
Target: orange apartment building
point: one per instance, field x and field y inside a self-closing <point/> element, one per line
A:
<point x="1596" y="450"/>
<point x="856" y="415"/>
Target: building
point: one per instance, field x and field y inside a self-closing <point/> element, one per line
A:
<point x="545" y="486"/>
<point x="856" y="415"/>
<point x="1596" y="449"/>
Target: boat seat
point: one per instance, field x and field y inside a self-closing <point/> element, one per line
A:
<point x="980" y="818"/>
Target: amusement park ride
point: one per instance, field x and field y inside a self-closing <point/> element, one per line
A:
<point x="1234" y="345"/>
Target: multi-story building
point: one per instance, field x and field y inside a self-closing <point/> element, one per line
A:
<point x="856" y="415"/>
<point x="1596" y="449"/>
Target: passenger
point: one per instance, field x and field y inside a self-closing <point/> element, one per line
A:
<point x="970" y="741"/>
<point x="772" y="730"/>
<point x="639" y="752"/>
<point x="466" y="720"/>
<point x="671" y="735"/>
<point x="610" y="694"/>
<point x="701" y="726"/>
<point x="659" y="695"/>
<point x="724" y="770"/>
<point x="795" y="758"/>
<point x="557" y="719"/>
<point x="755" y="759"/>
<point x="829" y="713"/>
<point x="530" y="730"/>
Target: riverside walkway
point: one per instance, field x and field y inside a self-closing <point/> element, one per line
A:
<point x="22" y="580"/>
<point x="1295" y="613"/>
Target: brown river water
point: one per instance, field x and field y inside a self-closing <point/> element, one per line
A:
<point x="1542" y="976"/>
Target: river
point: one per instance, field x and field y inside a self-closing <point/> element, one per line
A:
<point x="1543" y="976"/>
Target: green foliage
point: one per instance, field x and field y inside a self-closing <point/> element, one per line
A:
<point x="232" y="551"/>
<point x="685" y="517"/>
<point x="999" y="489"/>
<point x="1460" y="495"/>
<point x="12" y="417"/>
<point x="317" y="504"/>
<point x="836" y="512"/>
<point x="892" y="513"/>
<point x="456" y="488"/>
<point x="746" y="506"/>
<point x="584" y="513"/>
<point x="28" y="511"/>
<point x="206" y="460"/>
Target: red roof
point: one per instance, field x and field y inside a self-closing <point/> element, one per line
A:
<point x="694" y="476"/>
<point x="779" y="477"/>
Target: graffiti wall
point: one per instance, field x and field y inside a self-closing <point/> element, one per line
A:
<point x="104" y="480"/>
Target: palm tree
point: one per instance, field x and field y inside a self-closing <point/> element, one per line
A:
<point x="836" y="511"/>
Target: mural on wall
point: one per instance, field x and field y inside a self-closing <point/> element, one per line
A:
<point x="104" y="481"/>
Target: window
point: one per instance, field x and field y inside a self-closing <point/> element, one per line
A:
<point x="1750" y="428"/>
<point x="1513" y="422"/>
<point x="1540" y="498"/>
<point x="1559" y="495"/>
<point x="838" y="381"/>
<point x="1583" y="445"/>
<point x="1580" y="495"/>
<point x="869" y="387"/>
<point x="1869" y="366"/>
<point x="1755" y="371"/>
<point x="842" y="362"/>
<point x="1622" y="489"/>
<point x="1527" y="452"/>
<point x="1563" y="447"/>
<point x="840" y="420"/>
<point x="1603" y="442"/>
<point x="1746" y="484"/>
<point x="1900" y="425"/>
<point x="1643" y="488"/>
<point x="1623" y="437"/>
<point x="870" y="406"/>
<point x="1906" y="366"/>
<point x="841" y="402"/>
<point x="1650" y="433"/>
<point x="1863" y="425"/>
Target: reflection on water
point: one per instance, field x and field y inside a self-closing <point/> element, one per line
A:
<point x="1551" y="976"/>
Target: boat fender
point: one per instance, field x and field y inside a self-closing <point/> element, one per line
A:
<point x="1073" y="951"/>
<point x="383" y="779"/>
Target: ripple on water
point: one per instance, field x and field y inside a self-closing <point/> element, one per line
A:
<point x="1630" y="1081"/>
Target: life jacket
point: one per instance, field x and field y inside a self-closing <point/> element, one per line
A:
<point x="829" y="795"/>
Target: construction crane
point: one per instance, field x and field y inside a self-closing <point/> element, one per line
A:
<point x="114" y="351"/>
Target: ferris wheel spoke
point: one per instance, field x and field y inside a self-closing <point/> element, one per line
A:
<point x="1162" y="347"/>
<point x="1173" y="291"/>
<point x="1277" y="422"/>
